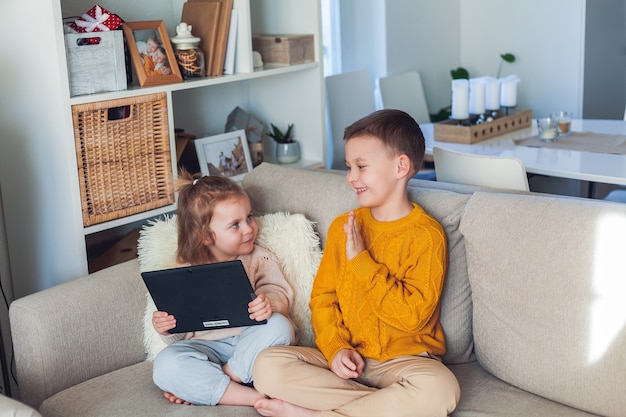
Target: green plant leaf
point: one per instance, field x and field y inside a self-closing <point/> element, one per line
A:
<point x="278" y="134"/>
<point x="458" y="73"/>
<point x="288" y="132"/>
<point x="508" y="57"/>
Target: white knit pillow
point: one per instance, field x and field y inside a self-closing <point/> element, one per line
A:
<point x="290" y="237"/>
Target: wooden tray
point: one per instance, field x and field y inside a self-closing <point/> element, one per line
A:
<point x="449" y="131"/>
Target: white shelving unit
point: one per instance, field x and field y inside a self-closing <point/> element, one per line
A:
<point x="38" y="166"/>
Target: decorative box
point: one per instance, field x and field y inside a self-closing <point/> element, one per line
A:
<point x="96" y="66"/>
<point x="96" y="19"/>
<point x="450" y="131"/>
<point x="284" y="49"/>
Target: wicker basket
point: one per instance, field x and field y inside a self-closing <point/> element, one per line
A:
<point x="123" y="155"/>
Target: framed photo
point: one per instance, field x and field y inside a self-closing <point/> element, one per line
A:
<point x="226" y="154"/>
<point x="151" y="52"/>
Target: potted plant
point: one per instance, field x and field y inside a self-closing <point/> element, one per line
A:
<point x="287" y="148"/>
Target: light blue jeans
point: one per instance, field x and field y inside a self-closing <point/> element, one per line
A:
<point x="192" y="369"/>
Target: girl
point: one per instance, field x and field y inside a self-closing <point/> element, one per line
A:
<point x="215" y="224"/>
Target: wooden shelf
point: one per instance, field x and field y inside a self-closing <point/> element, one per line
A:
<point x="134" y="90"/>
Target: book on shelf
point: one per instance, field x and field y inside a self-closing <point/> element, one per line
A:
<point x="243" y="41"/>
<point x="216" y="24"/>
<point x="229" y="59"/>
<point x="203" y="16"/>
<point x="222" y="37"/>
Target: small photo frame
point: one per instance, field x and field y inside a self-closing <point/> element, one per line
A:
<point x="151" y="52"/>
<point x="226" y="154"/>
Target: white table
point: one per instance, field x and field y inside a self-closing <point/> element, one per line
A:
<point x="577" y="165"/>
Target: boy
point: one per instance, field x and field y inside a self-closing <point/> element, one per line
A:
<point x="375" y="298"/>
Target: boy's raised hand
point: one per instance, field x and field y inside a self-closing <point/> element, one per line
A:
<point x="163" y="322"/>
<point x="347" y="364"/>
<point x="260" y="308"/>
<point x="354" y="241"/>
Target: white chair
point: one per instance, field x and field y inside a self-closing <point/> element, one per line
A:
<point x="349" y="96"/>
<point x="617" y="195"/>
<point x="480" y="170"/>
<point x="404" y="91"/>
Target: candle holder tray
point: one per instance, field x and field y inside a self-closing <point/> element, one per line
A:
<point x="450" y="130"/>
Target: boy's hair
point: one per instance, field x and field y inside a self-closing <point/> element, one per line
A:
<point x="398" y="131"/>
<point x="197" y="198"/>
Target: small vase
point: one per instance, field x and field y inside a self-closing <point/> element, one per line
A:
<point x="288" y="153"/>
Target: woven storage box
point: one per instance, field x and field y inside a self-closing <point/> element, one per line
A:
<point x="124" y="163"/>
<point x="449" y="131"/>
<point x="284" y="49"/>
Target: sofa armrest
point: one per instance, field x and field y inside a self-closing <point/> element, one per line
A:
<point x="78" y="330"/>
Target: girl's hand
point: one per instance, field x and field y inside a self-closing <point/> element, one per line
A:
<point x="260" y="308"/>
<point x="354" y="241"/>
<point x="347" y="364"/>
<point x="163" y="322"/>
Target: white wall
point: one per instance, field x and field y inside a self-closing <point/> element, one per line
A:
<point x="363" y="45"/>
<point x="549" y="55"/>
<point x="547" y="37"/>
<point x="424" y="36"/>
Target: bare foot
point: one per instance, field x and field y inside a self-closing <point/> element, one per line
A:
<point x="270" y="407"/>
<point x="174" y="399"/>
<point x="230" y="374"/>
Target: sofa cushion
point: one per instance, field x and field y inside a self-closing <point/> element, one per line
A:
<point x="456" y="300"/>
<point x="483" y="394"/>
<point x="319" y="195"/>
<point x="128" y="392"/>
<point x="324" y="195"/>
<point x="548" y="282"/>
<point x="289" y="236"/>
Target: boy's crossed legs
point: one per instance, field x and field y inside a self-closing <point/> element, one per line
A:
<point x="403" y="386"/>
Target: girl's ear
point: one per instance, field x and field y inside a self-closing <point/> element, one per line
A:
<point x="205" y="237"/>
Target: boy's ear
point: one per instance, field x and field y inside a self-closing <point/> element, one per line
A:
<point x="404" y="165"/>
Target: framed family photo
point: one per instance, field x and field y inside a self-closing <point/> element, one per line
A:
<point x="151" y="52"/>
<point x="226" y="154"/>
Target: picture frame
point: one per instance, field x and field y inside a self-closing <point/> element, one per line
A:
<point x="151" y="53"/>
<point x="226" y="154"/>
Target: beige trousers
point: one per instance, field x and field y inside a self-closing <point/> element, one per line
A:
<point x="404" y="386"/>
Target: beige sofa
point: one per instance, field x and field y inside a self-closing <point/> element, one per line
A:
<point x="532" y="312"/>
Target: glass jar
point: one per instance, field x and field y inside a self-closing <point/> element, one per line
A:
<point x="189" y="56"/>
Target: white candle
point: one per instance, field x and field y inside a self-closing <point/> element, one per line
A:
<point x="460" y="99"/>
<point x="477" y="96"/>
<point x="492" y="93"/>
<point x="508" y="91"/>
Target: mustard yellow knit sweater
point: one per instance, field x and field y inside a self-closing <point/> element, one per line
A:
<point x="385" y="301"/>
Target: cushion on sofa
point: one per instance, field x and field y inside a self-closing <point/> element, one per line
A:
<point x="456" y="300"/>
<point x="482" y="394"/>
<point x="289" y="236"/>
<point x="323" y="195"/>
<point x="548" y="282"/>
<point x="320" y="196"/>
<point x="128" y="392"/>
